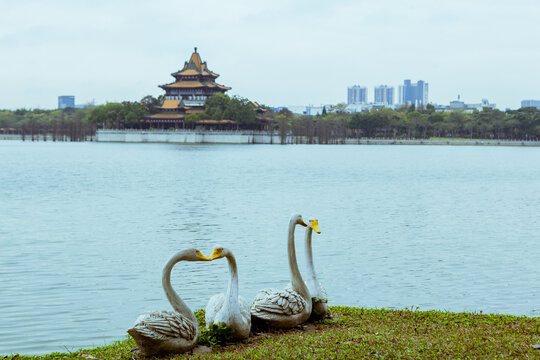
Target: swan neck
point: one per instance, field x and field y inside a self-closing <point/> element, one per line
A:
<point x="232" y="290"/>
<point x="309" y="252"/>
<point x="296" y="278"/>
<point x="176" y="302"/>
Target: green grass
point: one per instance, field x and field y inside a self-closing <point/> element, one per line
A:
<point x="374" y="334"/>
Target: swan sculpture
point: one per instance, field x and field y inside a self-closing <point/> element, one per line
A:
<point x="162" y="332"/>
<point x="230" y="308"/>
<point x="291" y="306"/>
<point x="318" y="293"/>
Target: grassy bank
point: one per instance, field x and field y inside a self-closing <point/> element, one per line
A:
<point x="367" y="333"/>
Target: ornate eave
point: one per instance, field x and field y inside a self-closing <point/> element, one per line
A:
<point x="194" y="85"/>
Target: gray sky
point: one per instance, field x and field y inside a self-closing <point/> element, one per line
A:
<point x="279" y="52"/>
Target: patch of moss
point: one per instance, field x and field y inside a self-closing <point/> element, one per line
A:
<point x="216" y="336"/>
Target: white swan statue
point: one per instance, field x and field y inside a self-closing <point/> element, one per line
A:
<point x="230" y="309"/>
<point x="163" y="332"/>
<point x="318" y="293"/>
<point x="291" y="306"/>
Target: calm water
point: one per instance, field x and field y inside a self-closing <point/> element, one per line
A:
<point x="85" y="229"/>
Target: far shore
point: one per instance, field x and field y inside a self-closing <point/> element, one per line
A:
<point x="467" y="142"/>
<point x="258" y="137"/>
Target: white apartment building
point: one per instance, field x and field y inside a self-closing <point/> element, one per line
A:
<point x="384" y="95"/>
<point x="356" y="94"/>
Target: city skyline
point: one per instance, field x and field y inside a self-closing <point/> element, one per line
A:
<point x="273" y="53"/>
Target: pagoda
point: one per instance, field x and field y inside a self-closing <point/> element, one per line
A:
<point x="187" y="94"/>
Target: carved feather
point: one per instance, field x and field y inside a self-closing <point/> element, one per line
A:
<point x="271" y="302"/>
<point x="162" y="325"/>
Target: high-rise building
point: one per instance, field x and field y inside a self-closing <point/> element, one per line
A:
<point x="413" y="93"/>
<point x="384" y="95"/>
<point x="66" y="101"/>
<point x="356" y="95"/>
<point x="530" y="103"/>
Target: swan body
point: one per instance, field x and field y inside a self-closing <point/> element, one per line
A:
<point x="318" y="293"/>
<point x="230" y="309"/>
<point x="163" y="332"/>
<point x="291" y="306"/>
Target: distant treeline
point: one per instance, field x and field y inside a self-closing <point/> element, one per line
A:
<point x="412" y="123"/>
<point x="71" y="124"/>
<point x="332" y="126"/>
<point x="60" y="125"/>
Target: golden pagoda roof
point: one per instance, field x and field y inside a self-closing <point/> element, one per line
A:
<point x="216" y="122"/>
<point x="170" y="104"/>
<point x="257" y="107"/>
<point x="167" y="116"/>
<point x="189" y="72"/>
<point x="196" y="59"/>
<point x="195" y="66"/>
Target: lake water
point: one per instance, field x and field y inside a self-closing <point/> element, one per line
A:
<point x="85" y="229"/>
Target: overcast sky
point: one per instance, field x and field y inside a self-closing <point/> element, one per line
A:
<point x="279" y="52"/>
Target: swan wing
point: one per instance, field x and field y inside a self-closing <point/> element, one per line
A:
<point x="323" y="292"/>
<point x="244" y="309"/>
<point x="270" y="302"/>
<point x="213" y="307"/>
<point x="162" y="325"/>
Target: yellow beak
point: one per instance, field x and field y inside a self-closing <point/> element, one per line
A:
<point x="202" y="257"/>
<point x="315" y="226"/>
<point x="216" y="254"/>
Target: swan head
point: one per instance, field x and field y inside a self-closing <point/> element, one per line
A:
<point x="297" y="219"/>
<point x="196" y="255"/>
<point x="314" y="224"/>
<point x="219" y="252"/>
